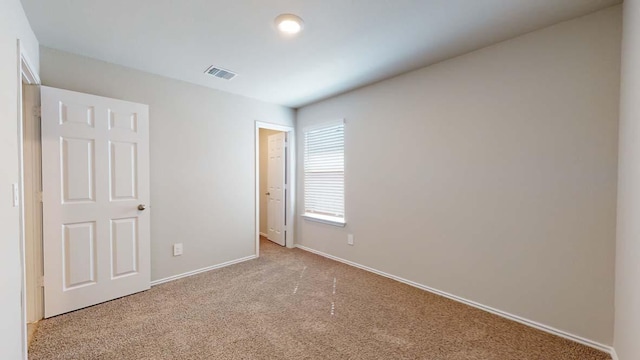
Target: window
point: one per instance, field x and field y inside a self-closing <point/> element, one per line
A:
<point x="324" y="173"/>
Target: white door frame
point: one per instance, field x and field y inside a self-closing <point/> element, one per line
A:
<point x="290" y="178"/>
<point x="31" y="192"/>
<point x="27" y="74"/>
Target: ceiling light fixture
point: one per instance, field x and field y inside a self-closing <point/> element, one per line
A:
<point x="289" y="24"/>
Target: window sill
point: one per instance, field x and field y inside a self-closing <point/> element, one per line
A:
<point x="329" y="220"/>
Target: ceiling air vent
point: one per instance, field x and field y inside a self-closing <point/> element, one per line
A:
<point x="220" y="73"/>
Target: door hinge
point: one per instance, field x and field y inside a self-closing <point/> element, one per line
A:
<point x="37" y="111"/>
<point x="39" y="196"/>
<point x="41" y="281"/>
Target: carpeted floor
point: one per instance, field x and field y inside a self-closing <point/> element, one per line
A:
<point x="290" y="304"/>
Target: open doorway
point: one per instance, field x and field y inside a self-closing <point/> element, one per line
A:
<point x="275" y="189"/>
<point x="273" y="185"/>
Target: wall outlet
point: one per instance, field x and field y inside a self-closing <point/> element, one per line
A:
<point x="177" y="249"/>
<point x="350" y="239"/>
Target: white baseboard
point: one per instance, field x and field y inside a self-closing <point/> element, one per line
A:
<point x="521" y="320"/>
<point x="263" y="234"/>
<point x="614" y="355"/>
<point x="204" y="269"/>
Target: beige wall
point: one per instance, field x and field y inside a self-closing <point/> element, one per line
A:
<point x="202" y="146"/>
<point x="491" y="176"/>
<point x="627" y="328"/>
<point x="264" y="165"/>
<point x="13" y="26"/>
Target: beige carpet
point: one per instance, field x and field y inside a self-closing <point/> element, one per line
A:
<point x="290" y="304"/>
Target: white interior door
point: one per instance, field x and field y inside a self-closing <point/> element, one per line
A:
<point x="276" y="188"/>
<point x="95" y="171"/>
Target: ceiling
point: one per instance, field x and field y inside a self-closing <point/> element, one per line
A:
<point x="345" y="43"/>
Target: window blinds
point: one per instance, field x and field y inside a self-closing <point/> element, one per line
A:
<point x="324" y="170"/>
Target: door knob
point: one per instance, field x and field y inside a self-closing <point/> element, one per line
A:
<point x="142" y="207"/>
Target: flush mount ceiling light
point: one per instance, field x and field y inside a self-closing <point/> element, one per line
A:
<point x="289" y="24"/>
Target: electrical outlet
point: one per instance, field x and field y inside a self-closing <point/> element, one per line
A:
<point x="177" y="249"/>
<point x="350" y="239"/>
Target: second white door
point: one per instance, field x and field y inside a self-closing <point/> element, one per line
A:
<point x="95" y="174"/>
<point x="276" y="188"/>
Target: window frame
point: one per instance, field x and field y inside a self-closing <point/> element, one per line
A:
<point x="321" y="218"/>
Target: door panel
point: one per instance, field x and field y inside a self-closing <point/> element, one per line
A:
<point x="76" y="114"/>
<point x="124" y="246"/>
<point x="95" y="171"/>
<point x="79" y="259"/>
<point x="276" y="187"/>
<point x="78" y="174"/>
<point x="124" y="121"/>
<point x="123" y="170"/>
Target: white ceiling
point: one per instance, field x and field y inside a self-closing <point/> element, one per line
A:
<point x="345" y="44"/>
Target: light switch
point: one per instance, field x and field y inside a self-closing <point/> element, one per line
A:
<point x="177" y="249"/>
<point x="16" y="195"/>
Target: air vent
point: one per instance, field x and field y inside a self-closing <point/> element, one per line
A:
<point x="220" y="73"/>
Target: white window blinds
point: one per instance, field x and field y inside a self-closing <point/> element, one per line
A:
<point x="324" y="170"/>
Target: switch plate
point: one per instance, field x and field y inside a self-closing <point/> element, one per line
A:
<point x="350" y="239"/>
<point x="16" y="195"/>
<point x="177" y="249"/>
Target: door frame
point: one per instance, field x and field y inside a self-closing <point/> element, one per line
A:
<point x="27" y="74"/>
<point x="275" y="179"/>
<point x="290" y="198"/>
<point x="31" y="193"/>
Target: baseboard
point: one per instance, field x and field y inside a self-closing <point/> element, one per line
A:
<point x="506" y="315"/>
<point x="204" y="269"/>
<point x="31" y="330"/>
<point x="614" y="355"/>
<point x="263" y="234"/>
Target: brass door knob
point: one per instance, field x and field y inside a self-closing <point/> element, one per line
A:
<point x="142" y="207"/>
